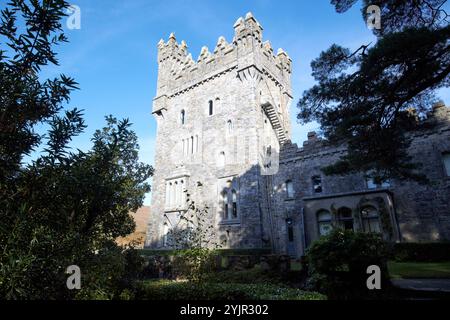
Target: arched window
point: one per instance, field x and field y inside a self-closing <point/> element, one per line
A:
<point x="192" y="145"/>
<point x="317" y="184"/>
<point x="170" y="194"/>
<point x="290" y="229"/>
<point x="289" y="189"/>
<point x="370" y="219"/>
<point x="221" y="159"/>
<point x="225" y="205"/>
<point x="182" y="117"/>
<point x="324" y="222"/>
<point x="210" y="107"/>
<point x="217" y="105"/>
<point x="183" y="194"/>
<point x="234" y="213"/>
<point x="177" y="193"/>
<point x="345" y="218"/>
<point x="165" y="234"/>
<point x="229" y="126"/>
<point x="167" y="194"/>
<point x="196" y="143"/>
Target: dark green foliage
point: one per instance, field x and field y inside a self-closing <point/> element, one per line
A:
<point x="249" y="276"/>
<point x="337" y="263"/>
<point x="421" y="252"/>
<point x="64" y="207"/>
<point x="171" y="290"/>
<point x="370" y="99"/>
<point x="221" y="252"/>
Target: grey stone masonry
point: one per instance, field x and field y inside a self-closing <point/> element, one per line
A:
<point x="217" y="117"/>
<point x="222" y="121"/>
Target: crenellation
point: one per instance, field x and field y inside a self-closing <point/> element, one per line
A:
<point x="176" y="66"/>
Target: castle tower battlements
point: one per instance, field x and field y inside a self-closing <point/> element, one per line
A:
<point x="247" y="56"/>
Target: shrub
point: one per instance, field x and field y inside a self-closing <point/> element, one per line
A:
<point x="221" y="252"/>
<point x="172" y="290"/>
<point x="337" y="263"/>
<point x="111" y="273"/>
<point x="193" y="264"/>
<point x="249" y="276"/>
<point x="421" y="252"/>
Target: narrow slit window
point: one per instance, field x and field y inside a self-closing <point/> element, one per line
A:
<point x="210" y="107"/>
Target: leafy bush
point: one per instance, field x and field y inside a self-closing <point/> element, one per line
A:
<point x="221" y="252"/>
<point x="194" y="264"/>
<point x="250" y="276"/>
<point x="172" y="290"/>
<point x="421" y="252"/>
<point x="337" y="263"/>
<point x="111" y="273"/>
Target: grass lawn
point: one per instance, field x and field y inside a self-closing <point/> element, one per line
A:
<point x="419" y="269"/>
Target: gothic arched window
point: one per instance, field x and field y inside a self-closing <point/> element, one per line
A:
<point x="165" y="234"/>
<point x="234" y="213"/>
<point x="289" y="189"/>
<point x="229" y="126"/>
<point x="225" y="205"/>
<point x="370" y="219"/>
<point x="324" y="222"/>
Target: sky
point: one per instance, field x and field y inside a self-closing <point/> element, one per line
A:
<point x="113" y="56"/>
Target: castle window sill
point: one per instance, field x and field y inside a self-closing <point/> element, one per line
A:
<point x="230" y="222"/>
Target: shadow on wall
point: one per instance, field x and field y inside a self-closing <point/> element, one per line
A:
<point x="241" y="217"/>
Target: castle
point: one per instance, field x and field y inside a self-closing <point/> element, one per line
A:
<point x="223" y="134"/>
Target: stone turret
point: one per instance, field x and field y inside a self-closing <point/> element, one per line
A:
<point x="220" y="113"/>
<point x="253" y="60"/>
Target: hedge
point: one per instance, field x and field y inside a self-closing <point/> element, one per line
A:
<point x="173" y="290"/>
<point x="421" y="251"/>
<point x="222" y="252"/>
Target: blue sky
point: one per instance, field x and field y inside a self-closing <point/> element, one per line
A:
<point x="113" y="55"/>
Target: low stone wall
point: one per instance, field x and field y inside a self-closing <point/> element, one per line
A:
<point x="162" y="266"/>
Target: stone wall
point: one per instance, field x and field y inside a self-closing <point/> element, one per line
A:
<point x="419" y="212"/>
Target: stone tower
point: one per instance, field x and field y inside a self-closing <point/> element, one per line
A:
<point x="219" y="119"/>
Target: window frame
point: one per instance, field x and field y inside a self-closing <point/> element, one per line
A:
<point x="342" y="220"/>
<point x="183" y="117"/>
<point x="368" y="219"/>
<point x="290" y="194"/>
<point x="324" y="221"/>
<point x="314" y="184"/>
